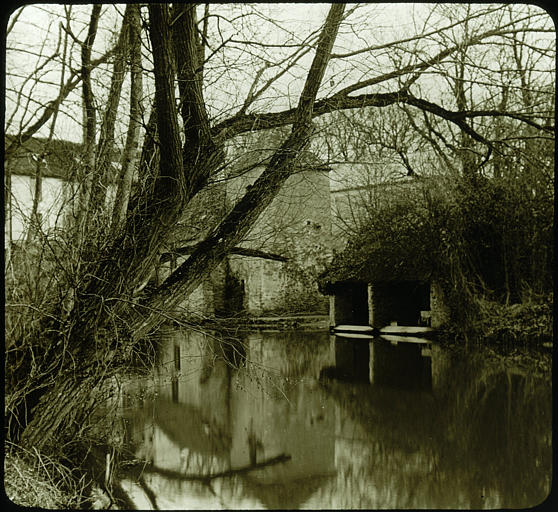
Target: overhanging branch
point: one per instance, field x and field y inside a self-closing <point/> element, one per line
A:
<point x="242" y="251"/>
<point x="254" y="122"/>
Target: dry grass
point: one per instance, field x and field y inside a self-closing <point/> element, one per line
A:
<point x="33" y="480"/>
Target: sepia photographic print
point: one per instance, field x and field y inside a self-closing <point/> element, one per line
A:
<point x="278" y="255"/>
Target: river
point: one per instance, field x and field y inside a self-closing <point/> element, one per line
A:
<point x="302" y="419"/>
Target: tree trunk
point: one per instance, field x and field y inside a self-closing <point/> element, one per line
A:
<point x="34" y="219"/>
<point x="102" y="300"/>
<point x="236" y="225"/>
<point x="63" y="407"/>
<point x="89" y="125"/>
<point x="132" y="136"/>
<point x="105" y="146"/>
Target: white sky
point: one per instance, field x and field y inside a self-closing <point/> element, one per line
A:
<point x="375" y="24"/>
<point x="36" y="27"/>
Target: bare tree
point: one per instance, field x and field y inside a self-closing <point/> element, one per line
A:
<point x="177" y="181"/>
<point x="191" y="64"/>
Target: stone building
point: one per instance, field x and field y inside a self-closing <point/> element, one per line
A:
<point x="55" y="163"/>
<point x="407" y="295"/>
<point x="273" y="269"/>
<point x="296" y="225"/>
<point x="409" y="302"/>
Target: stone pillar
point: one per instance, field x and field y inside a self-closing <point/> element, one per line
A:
<point x="332" y="322"/>
<point x="379" y="305"/>
<point x="371" y="305"/>
<point x="439" y="313"/>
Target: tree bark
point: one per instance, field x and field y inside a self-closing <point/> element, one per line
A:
<point x="105" y="146"/>
<point x="34" y="219"/>
<point x="200" y="155"/>
<point x="89" y="122"/>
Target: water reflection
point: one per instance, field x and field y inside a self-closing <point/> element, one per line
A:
<point x="308" y="420"/>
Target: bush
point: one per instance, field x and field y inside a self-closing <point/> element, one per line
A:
<point x="521" y="323"/>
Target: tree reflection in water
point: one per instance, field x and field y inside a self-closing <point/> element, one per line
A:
<point x="358" y="424"/>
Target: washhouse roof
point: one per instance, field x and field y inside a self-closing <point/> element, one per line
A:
<point x="362" y="265"/>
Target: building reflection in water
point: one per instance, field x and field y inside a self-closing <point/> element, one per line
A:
<point x="390" y="361"/>
<point x="222" y="407"/>
<point x="386" y="423"/>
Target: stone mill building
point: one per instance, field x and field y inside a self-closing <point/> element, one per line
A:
<point x="273" y="271"/>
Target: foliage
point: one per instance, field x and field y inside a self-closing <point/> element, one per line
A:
<point x="526" y="323"/>
<point x="397" y="240"/>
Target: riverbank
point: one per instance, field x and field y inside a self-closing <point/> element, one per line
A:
<point x="528" y="324"/>
<point x="36" y="481"/>
<point x="274" y="322"/>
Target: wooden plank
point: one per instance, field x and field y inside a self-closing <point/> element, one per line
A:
<point x="354" y="328"/>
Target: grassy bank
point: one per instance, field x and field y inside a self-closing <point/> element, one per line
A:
<point x="37" y="481"/>
<point x="529" y="324"/>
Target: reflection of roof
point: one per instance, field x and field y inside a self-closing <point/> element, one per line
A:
<point x="285" y="494"/>
<point x="185" y="426"/>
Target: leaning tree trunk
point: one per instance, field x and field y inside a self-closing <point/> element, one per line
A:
<point x="103" y="300"/>
<point x="211" y="252"/>
<point x="62" y="411"/>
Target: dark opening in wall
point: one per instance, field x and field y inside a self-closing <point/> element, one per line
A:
<point x="400" y="301"/>
<point x="351" y="303"/>
<point x="233" y="294"/>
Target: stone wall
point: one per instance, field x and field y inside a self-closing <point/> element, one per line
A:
<point x="262" y="281"/>
<point x="298" y="219"/>
<point x="200" y="303"/>
<point x="297" y="224"/>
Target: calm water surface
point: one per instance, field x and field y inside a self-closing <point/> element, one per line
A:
<point x="307" y="420"/>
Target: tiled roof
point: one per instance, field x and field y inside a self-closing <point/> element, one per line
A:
<point x="61" y="158"/>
